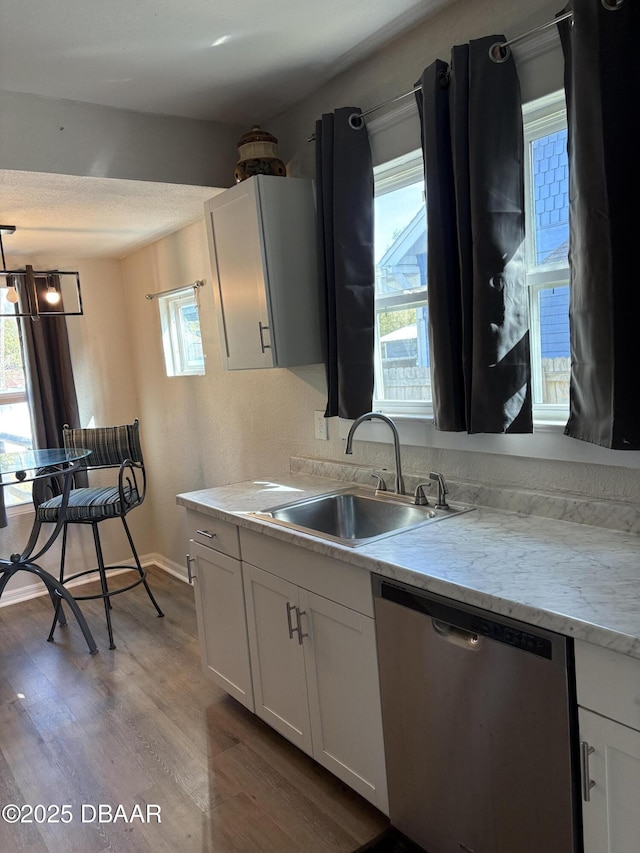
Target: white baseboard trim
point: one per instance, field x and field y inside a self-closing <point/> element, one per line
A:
<point x="36" y="589"/>
<point x="176" y="569"/>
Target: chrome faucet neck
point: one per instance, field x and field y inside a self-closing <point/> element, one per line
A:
<point x="369" y="416"/>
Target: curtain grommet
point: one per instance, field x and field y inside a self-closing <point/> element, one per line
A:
<point x="499" y="53"/>
<point x="356" y="122"/>
<point x="612" y="5"/>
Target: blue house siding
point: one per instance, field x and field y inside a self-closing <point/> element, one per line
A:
<point x="554" y="322"/>
<point x="550" y="193"/>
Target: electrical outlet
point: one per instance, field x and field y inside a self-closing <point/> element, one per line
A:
<point x="322" y="431"/>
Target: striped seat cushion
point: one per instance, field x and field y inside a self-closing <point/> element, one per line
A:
<point x="90" y="504"/>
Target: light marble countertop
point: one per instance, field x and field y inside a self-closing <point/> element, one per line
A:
<point x="576" y="579"/>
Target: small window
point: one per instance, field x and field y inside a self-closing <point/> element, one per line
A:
<point x="15" y="420"/>
<point x="181" y="338"/>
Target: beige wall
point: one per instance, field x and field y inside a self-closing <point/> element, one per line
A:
<point x="214" y="429"/>
<point x="394" y="69"/>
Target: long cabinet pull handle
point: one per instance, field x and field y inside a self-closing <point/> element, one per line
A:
<point x="206" y="533"/>
<point x="290" y="608"/>
<point x="263" y="329"/>
<point x="587" y="782"/>
<point x="190" y="576"/>
<point x="301" y="635"/>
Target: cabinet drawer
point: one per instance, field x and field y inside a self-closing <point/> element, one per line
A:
<point x="337" y="581"/>
<point x="608" y="683"/>
<point x="214" y="533"/>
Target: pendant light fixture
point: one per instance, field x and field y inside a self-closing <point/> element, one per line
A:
<point x="37" y="293"/>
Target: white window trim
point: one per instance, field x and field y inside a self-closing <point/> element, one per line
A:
<point x="173" y="341"/>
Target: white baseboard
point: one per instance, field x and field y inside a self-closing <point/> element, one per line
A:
<point x="36" y="589"/>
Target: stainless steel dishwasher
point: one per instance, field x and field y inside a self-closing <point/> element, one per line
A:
<point x="479" y="721"/>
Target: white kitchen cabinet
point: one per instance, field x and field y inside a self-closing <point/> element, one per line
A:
<point x="279" y="681"/>
<point x="611" y="812"/>
<point x="608" y="688"/>
<point x="314" y="663"/>
<point x="220" y="608"/>
<point x="261" y="236"/>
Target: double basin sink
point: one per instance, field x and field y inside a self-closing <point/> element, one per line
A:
<point x="356" y="516"/>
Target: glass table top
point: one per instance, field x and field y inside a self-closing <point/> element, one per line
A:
<point x="26" y="464"/>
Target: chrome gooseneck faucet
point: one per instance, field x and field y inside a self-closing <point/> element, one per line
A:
<point x="369" y="416"/>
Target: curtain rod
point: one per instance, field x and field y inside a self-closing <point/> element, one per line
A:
<point x="195" y="286"/>
<point x="498" y="52"/>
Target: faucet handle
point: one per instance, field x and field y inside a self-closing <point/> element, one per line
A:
<point x="419" y="497"/>
<point x="381" y="486"/>
<point x="442" y="489"/>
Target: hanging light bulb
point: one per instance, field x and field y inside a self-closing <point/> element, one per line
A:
<point x="52" y="295"/>
<point x="12" y="294"/>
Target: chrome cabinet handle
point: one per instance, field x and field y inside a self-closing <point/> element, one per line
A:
<point x="190" y="576"/>
<point x="290" y="608"/>
<point x="298" y="627"/>
<point x="263" y="329"/>
<point x="301" y="635"/>
<point x="587" y="782"/>
<point x="206" y="533"/>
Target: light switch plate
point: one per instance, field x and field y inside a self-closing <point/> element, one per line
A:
<point x="322" y="430"/>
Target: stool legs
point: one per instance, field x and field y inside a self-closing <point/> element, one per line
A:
<point x="58" y="614"/>
<point x="139" y="567"/>
<point x="103" y="583"/>
<point x="102" y="572"/>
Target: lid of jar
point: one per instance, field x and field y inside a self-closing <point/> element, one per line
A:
<point x="256" y="134"/>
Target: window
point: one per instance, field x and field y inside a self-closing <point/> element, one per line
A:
<point x="402" y="377"/>
<point x="181" y="338"/>
<point x="15" y="421"/>
<point x="547" y="250"/>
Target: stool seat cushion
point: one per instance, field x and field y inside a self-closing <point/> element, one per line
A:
<point x="91" y="504"/>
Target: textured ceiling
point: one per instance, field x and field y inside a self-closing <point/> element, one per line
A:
<point x="66" y="215"/>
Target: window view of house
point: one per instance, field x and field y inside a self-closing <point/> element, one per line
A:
<point x="402" y="364"/>
<point x="401" y="292"/>
<point x="549" y="236"/>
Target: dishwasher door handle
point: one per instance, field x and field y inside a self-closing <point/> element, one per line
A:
<point x="457" y="636"/>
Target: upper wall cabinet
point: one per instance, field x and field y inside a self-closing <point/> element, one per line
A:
<point x="262" y="244"/>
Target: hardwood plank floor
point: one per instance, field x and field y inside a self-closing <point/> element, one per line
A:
<point x="140" y="726"/>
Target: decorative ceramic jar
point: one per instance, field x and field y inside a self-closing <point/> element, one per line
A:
<point x="258" y="155"/>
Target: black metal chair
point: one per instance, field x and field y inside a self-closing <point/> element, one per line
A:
<point x="112" y="447"/>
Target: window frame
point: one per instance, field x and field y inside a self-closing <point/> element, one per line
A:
<point x="394" y="175"/>
<point x="174" y="341"/>
<point x="541" y="117"/>
<point x="10" y="398"/>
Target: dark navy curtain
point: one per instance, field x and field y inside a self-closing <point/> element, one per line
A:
<point x="472" y="140"/>
<point x="602" y="84"/>
<point x="344" y="192"/>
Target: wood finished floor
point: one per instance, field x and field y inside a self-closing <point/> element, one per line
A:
<point x="141" y="725"/>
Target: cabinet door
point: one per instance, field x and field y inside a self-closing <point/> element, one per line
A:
<point x="236" y="247"/>
<point x="344" y="695"/>
<point x="611" y="816"/>
<point x="277" y="657"/>
<point x="222" y="624"/>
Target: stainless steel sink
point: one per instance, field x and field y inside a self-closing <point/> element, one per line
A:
<point x="355" y="516"/>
